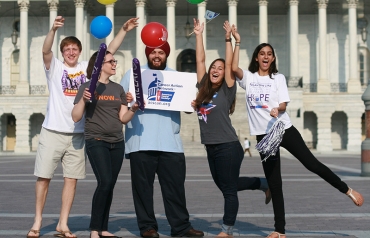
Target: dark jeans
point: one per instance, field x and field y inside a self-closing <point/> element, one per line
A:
<point x="106" y="161"/>
<point x="171" y="169"/>
<point x="224" y="162"/>
<point x="293" y="142"/>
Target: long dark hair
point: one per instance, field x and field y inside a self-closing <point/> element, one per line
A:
<point x="90" y="66"/>
<point x="206" y="91"/>
<point x="254" y="66"/>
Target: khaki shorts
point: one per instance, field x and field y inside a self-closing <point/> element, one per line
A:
<point x="68" y="148"/>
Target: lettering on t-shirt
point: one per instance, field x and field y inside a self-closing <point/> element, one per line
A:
<point x="72" y="82"/>
<point x="258" y="95"/>
<point x="107" y="98"/>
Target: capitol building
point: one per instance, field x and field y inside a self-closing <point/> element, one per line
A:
<point x="322" y="48"/>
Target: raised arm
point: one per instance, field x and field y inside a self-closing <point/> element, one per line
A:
<point x="199" y="49"/>
<point x="238" y="72"/>
<point x="229" y="75"/>
<point x="118" y="39"/>
<point x="47" y="54"/>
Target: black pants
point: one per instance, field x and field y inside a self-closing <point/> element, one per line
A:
<point x="106" y="161"/>
<point x="170" y="169"/>
<point x="293" y="142"/>
<point x="224" y="162"/>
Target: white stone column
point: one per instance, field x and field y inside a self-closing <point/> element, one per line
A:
<point x="53" y="13"/>
<point x="354" y="131"/>
<point x="87" y="45"/>
<point x="171" y="29"/>
<point x="233" y="15"/>
<point x="22" y="133"/>
<point x="354" y="85"/>
<point x="79" y="4"/>
<point x="109" y="12"/>
<point x="140" y="47"/>
<point x="201" y="14"/>
<point x="84" y="55"/>
<point x="263" y="21"/>
<point x="324" y="131"/>
<point x="23" y="85"/>
<point x="294" y="58"/>
<point x="323" y="84"/>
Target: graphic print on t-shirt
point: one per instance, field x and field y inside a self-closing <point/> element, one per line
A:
<point x="72" y="82"/>
<point x="158" y="91"/>
<point x="259" y="95"/>
<point x="205" y="109"/>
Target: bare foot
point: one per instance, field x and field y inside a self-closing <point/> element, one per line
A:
<point x="106" y="233"/>
<point x="94" y="234"/>
<point x="223" y="234"/>
<point x="276" y="234"/>
<point x="355" y="196"/>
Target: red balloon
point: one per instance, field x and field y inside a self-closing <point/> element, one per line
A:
<point x="154" y="34"/>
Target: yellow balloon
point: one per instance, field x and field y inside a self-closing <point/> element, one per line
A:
<point x="107" y="2"/>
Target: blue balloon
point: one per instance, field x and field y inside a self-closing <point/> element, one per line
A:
<point x="100" y="27"/>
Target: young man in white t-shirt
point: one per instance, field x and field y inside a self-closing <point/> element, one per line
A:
<point x="60" y="138"/>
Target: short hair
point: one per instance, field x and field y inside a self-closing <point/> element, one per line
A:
<point x="69" y="40"/>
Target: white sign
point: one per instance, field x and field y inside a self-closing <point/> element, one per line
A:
<point x="167" y="90"/>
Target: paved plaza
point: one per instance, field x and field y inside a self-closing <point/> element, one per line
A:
<point x="313" y="207"/>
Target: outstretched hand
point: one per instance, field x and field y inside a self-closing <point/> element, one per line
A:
<point x="58" y="23"/>
<point x="234" y="31"/>
<point x="198" y="27"/>
<point x="130" y="24"/>
<point x="227" y="28"/>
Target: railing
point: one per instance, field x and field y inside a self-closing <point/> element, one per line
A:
<point x="33" y="89"/>
<point x="7" y="90"/>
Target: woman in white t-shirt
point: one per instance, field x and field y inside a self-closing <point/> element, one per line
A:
<point x="266" y="99"/>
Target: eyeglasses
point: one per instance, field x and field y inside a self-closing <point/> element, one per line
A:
<point x="112" y="62"/>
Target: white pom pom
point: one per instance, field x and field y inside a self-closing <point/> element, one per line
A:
<point x="269" y="145"/>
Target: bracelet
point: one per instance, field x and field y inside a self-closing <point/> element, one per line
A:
<point x="237" y="44"/>
<point x="228" y="40"/>
<point x="132" y="110"/>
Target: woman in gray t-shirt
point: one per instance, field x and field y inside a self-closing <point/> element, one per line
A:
<point x="105" y="110"/>
<point x="214" y="104"/>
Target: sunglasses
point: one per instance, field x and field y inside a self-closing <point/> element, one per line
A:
<point x="112" y="62"/>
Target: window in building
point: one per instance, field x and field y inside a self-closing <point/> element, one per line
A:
<point x="14" y="68"/>
<point x="362" y="69"/>
<point x="186" y="61"/>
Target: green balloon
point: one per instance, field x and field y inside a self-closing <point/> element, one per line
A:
<point x="195" y="1"/>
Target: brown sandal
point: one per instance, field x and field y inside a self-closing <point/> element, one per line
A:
<point x="63" y="234"/>
<point x="36" y="232"/>
<point x="355" y="196"/>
